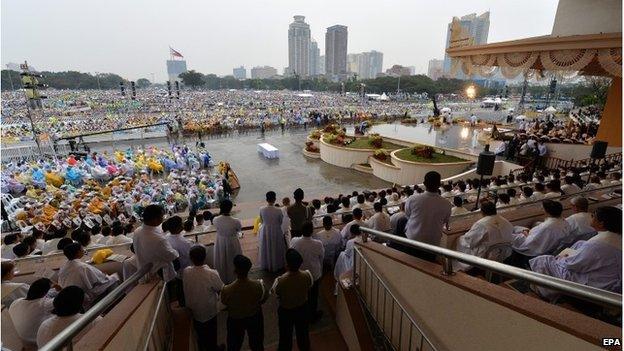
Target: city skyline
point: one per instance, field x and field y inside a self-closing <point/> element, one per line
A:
<point x="131" y="38"/>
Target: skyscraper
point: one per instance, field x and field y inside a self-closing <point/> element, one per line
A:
<point x="299" y="47"/>
<point x="315" y="54"/>
<point x="370" y="64"/>
<point x="321" y="64"/>
<point x="477" y="27"/>
<point x="336" y="51"/>
<point x="240" y="72"/>
<point x="435" y="69"/>
<point x="263" y="72"/>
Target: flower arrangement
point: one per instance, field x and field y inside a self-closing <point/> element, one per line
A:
<point x="339" y="138"/>
<point x="375" y="140"/>
<point x="331" y="128"/>
<point x="381" y="155"/>
<point x="310" y="147"/>
<point x="423" y="151"/>
<point x="316" y="134"/>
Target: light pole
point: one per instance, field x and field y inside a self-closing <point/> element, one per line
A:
<point x="97" y="77"/>
<point x="10" y="78"/>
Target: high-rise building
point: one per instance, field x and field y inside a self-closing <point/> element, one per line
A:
<point x="263" y="72"/>
<point x="240" y="72"/>
<point x="321" y="64"/>
<point x="398" y="71"/>
<point x="175" y="68"/>
<point x="336" y="51"/>
<point x="370" y="64"/>
<point x="477" y="28"/>
<point x="299" y="47"/>
<point x="315" y="54"/>
<point x="435" y="69"/>
<point x="412" y="70"/>
<point x="353" y="63"/>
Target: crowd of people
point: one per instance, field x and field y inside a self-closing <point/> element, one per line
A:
<point x="78" y="112"/>
<point x="54" y="197"/>
<point x="299" y="242"/>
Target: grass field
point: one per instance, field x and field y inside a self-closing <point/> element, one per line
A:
<point x="363" y="143"/>
<point x="406" y="155"/>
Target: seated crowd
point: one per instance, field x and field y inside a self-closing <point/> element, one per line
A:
<point x="583" y="248"/>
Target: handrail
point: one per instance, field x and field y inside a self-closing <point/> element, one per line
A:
<point x="565" y="286"/>
<point x="65" y="337"/>
<point x="393" y="296"/>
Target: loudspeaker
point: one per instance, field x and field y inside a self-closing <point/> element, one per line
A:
<point x="599" y="150"/>
<point x="485" y="165"/>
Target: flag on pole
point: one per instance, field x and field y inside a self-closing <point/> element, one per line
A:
<point x="175" y="53"/>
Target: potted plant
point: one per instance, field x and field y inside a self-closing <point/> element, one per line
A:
<point x="423" y="151"/>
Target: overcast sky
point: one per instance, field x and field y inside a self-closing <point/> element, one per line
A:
<point x="131" y="37"/>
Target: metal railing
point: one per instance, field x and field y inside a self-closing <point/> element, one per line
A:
<point x="368" y="285"/>
<point x="581" y="291"/>
<point x="161" y="325"/>
<point x="66" y="337"/>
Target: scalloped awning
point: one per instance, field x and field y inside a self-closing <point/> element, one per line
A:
<point x="591" y="54"/>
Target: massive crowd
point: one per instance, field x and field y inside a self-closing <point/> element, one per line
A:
<point x="78" y="112"/>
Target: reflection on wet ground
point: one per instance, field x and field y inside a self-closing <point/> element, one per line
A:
<point x="293" y="170"/>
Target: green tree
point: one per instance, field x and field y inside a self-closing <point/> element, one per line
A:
<point x="192" y="79"/>
<point x="143" y="83"/>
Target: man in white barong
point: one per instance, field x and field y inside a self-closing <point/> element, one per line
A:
<point x="346" y="230"/>
<point x="488" y="231"/>
<point x="596" y="262"/>
<point x="313" y="253"/>
<point x="271" y="239"/>
<point x="151" y="245"/>
<point x="546" y="236"/>
<point x="345" y="260"/>
<point x="580" y="221"/>
<point x="91" y="280"/>
<point x="380" y="220"/>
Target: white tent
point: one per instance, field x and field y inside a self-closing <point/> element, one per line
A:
<point x="304" y="95"/>
<point x="445" y="109"/>
<point x="520" y="118"/>
<point x="384" y="97"/>
<point x="550" y="109"/>
<point x="498" y="101"/>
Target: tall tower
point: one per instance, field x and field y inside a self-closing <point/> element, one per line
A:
<point x="336" y="50"/>
<point x="299" y="47"/>
<point x="477" y="27"/>
<point x="315" y="54"/>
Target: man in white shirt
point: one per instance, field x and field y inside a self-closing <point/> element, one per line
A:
<point x="313" y="253"/>
<point x="91" y="280"/>
<point x="546" y="236"/>
<point x="380" y="220"/>
<point x="579" y="222"/>
<point x="488" y="231"/>
<point x="331" y="239"/>
<point x="396" y="217"/>
<point x="10" y="240"/>
<point x="202" y="286"/>
<point x="28" y="313"/>
<point x="538" y="194"/>
<point x="11" y="291"/>
<point x="569" y="187"/>
<point x="67" y="306"/>
<point x="427" y="213"/>
<point x="346" y="230"/>
<point x="458" y="206"/>
<point x="178" y="242"/>
<point x="151" y="246"/>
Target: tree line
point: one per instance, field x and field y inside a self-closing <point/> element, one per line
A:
<point x="589" y="91"/>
